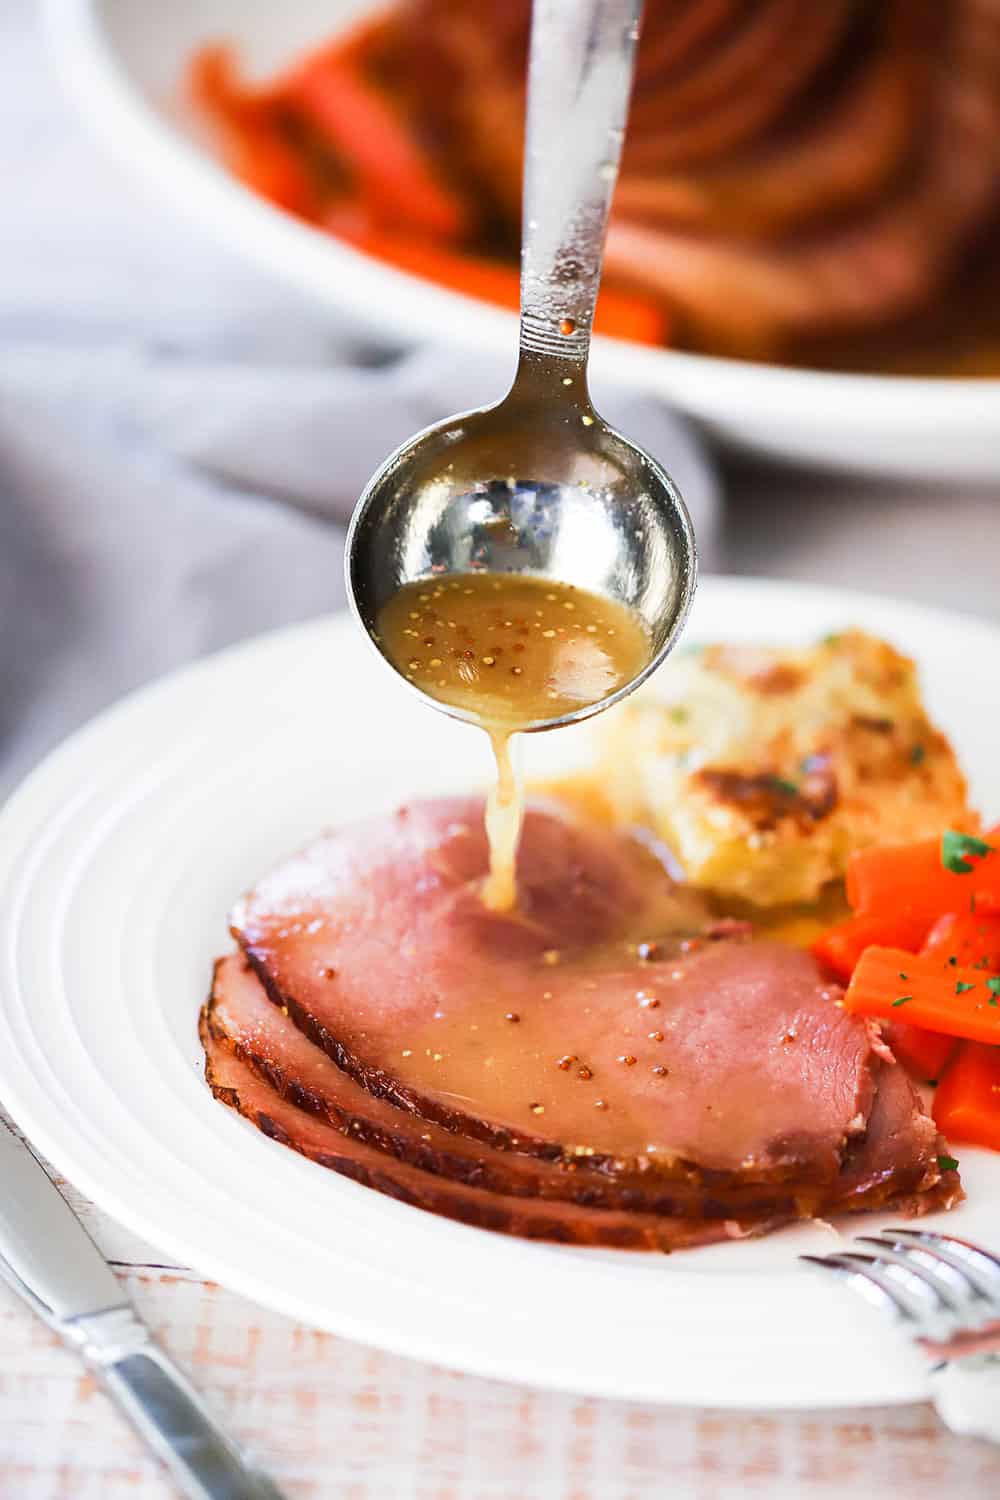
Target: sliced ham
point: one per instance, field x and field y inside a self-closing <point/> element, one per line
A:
<point x="745" y="81"/>
<point x="896" y="1160"/>
<point x="241" y="1018"/>
<point x="543" y="1032"/>
<point x="669" y="42"/>
<point x="749" y="296"/>
<point x="836" y="161"/>
<point x="237" y="1086"/>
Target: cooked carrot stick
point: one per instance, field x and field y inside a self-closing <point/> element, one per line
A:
<point x="953" y="873"/>
<point x="924" y="1053"/>
<point x="256" y="153"/>
<point x="212" y="81"/>
<point x="621" y="315"/>
<point x="967" y="1101"/>
<point x="901" y="986"/>
<point x="394" y="176"/>
<point x="841" y="946"/>
<point x="970" y="940"/>
<point x="252" y="142"/>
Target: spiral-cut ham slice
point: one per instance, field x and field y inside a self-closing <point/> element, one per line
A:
<point x="543" y="1031"/>
<point x="695" y="25"/>
<point x="895" y="1162"/>
<point x="237" y="1086"/>
<point x="755" y="72"/>
<point x="834" y="162"/>
<point x="752" y="296"/>
<point x="241" y="1018"/>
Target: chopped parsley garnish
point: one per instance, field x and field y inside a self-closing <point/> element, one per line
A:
<point x="947" y="1164"/>
<point x="962" y="986"/>
<point x="786" y="788"/>
<point x="955" y="849"/>
<point x="830" y="640"/>
<point x="901" y="1001"/>
<point x="679" y="715"/>
<point x="918" y="754"/>
<point x="903" y="976"/>
<point x="993" y="984"/>
<point x="953" y="960"/>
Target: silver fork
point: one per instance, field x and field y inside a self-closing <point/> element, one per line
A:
<point x="945" y="1293"/>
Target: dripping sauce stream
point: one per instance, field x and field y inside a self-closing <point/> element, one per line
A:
<point x="513" y="652"/>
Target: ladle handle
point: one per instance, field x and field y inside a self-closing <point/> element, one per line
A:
<point x="579" y="80"/>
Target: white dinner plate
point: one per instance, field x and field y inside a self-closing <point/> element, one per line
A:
<point x="124" y="60"/>
<point x="118" y="860"/>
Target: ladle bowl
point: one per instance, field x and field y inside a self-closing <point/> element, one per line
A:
<point x="539" y="484"/>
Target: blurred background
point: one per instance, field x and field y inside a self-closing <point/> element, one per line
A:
<point x="246" y="249"/>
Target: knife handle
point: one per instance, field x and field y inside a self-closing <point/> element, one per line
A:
<point x="165" y="1409"/>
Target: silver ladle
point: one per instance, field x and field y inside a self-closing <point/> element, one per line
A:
<point x="540" y="484"/>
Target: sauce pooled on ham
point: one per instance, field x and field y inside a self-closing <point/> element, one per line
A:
<point x="544" y="1027"/>
<point x="894" y="1162"/>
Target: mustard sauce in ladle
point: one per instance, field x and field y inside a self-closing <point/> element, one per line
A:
<point x="511" y="652"/>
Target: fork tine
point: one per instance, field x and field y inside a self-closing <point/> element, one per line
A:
<point x="979" y="1265"/>
<point x="952" y="1279"/>
<point x="861" y="1278"/>
<point x="932" y="1310"/>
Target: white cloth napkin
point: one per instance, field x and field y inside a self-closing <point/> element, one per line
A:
<point x="181" y="438"/>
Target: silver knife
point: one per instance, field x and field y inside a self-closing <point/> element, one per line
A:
<point x="48" y="1258"/>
